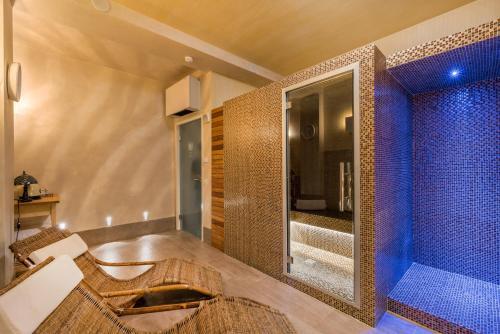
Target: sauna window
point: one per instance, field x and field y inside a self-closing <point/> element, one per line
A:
<point x="321" y="184"/>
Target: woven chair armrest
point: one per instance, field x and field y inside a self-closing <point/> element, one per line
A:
<point x="124" y="264"/>
<point x="22" y="248"/>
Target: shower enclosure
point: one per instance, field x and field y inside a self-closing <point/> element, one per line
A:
<point x="322" y="182"/>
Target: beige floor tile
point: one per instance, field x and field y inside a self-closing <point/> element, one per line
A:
<point x="307" y="314"/>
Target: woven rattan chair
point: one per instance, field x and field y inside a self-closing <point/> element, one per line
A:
<point x="85" y="311"/>
<point x="166" y="275"/>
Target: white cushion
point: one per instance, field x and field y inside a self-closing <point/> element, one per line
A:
<point x="27" y="305"/>
<point x="73" y="246"/>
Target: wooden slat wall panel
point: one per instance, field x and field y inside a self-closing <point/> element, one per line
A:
<point x="217" y="179"/>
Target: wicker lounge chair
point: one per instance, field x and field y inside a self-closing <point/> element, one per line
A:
<point x="85" y="311"/>
<point x="166" y="275"/>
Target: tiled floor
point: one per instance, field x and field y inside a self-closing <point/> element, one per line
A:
<point x="307" y="314"/>
<point x="458" y="299"/>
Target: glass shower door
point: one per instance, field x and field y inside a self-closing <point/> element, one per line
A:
<point x="190" y="177"/>
<point x="321" y="169"/>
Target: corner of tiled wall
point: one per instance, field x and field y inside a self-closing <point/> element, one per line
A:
<point x="393" y="183"/>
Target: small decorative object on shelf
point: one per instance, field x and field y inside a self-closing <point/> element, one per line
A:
<point x="26" y="188"/>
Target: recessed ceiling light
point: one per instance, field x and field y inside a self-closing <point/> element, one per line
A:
<point x="101" y="5"/>
<point x="454" y="73"/>
<point x="188" y="59"/>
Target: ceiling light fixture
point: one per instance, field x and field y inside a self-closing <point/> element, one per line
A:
<point x="454" y="73"/>
<point x="188" y="59"/>
<point x="101" y="5"/>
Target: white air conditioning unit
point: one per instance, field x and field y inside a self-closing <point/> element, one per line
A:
<point x="183" y="97"/>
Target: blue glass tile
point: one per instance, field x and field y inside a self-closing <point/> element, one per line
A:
<point x="471" y="63"/>
<point x="458" y="299"/>
<point x="455" y="234"/>
<point x="456" y="182"/>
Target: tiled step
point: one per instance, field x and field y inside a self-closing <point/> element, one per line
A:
<point x="447" y="302"/>
<point x="331" y="223"/>
<point x="337" y="242"/>
<point x="329" y="271"/>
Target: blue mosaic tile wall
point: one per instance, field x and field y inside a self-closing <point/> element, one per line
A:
<point x="393" y="185"/>
<point x="457" y="179"/>
<point x="454" y="68"/>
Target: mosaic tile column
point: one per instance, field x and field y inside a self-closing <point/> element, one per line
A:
<point x="253" y="179"/>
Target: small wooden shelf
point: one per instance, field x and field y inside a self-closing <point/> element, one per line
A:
<point x="44" y="206"/>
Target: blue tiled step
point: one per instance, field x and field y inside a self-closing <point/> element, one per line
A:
<point x="447" y="302"/>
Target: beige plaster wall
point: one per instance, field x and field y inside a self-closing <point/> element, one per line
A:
<point x="224" y="88"/>
<point x="96" y="136"/>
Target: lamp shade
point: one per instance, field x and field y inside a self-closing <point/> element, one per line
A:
<point x="24" y="178"/>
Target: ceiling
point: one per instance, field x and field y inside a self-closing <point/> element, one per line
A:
<point x="63" y="40"/>
<point x="125" y="40"/>
<point x="253" y="41"/>
<point x="288" y="35"/>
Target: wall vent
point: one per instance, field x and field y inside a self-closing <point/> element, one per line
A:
<point x="183" y="97"/>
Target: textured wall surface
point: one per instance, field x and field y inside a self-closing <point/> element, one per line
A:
<point x="393" y="183"/>
<point x="96" y="136"/>
<point x="253" y="179"/>
<point x="458" y="20"/>
<point x="456" y="177"/>
<point x="457" y="67"/>
<point x="457" y="180"/>
<point x="466" y="37"/>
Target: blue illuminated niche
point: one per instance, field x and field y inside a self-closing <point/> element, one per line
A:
<point x="455" y="111"/>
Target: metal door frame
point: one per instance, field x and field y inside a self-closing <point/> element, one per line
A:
<point x="355" y="69"/>
<point x="178" y="174"/>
